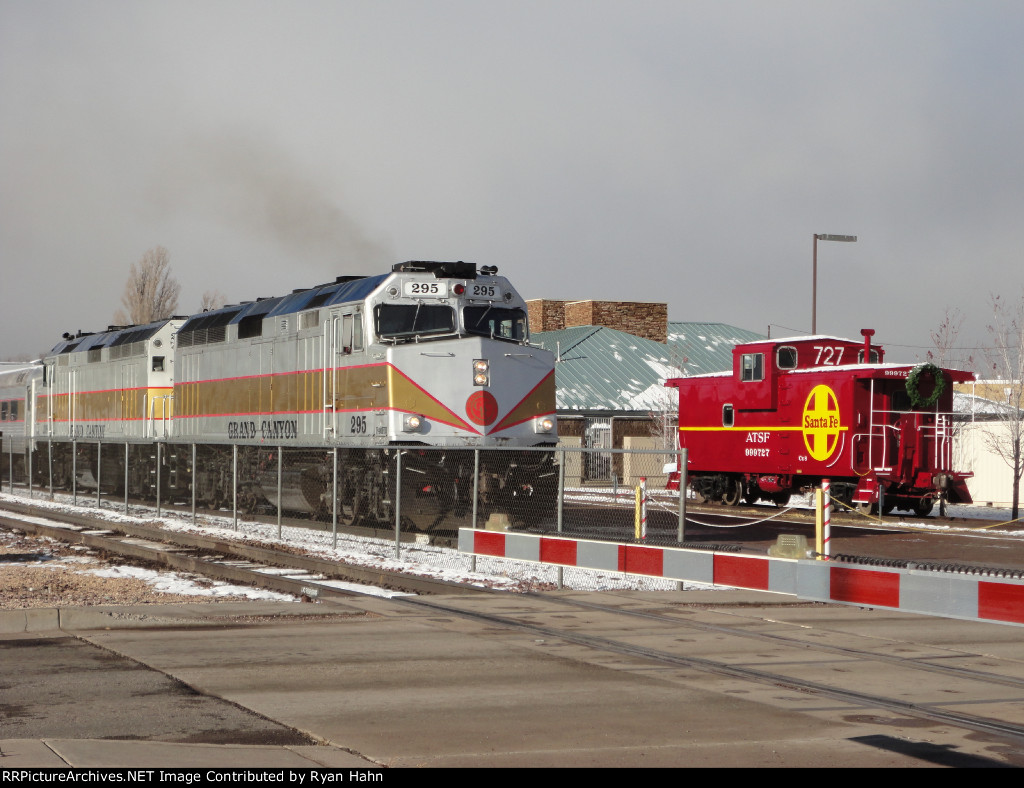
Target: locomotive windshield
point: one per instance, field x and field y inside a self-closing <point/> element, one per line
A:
<point x="405" y="321"/>
<point x="494" y="322"/>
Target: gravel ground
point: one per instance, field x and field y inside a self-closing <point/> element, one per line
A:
<point x="39" y="572"/>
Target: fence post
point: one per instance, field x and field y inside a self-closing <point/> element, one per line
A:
<point x="280" y="453"/>
<point x="28" y="446"/>
<point x="561" y="496"/>
<point x="49" y="451"/>
<point x="398" y="503"/>
<point x="126" y="460"/>
<point x="192" y="484"/>
<point x="476" y="499"/>
<point x="158" y="478"/>
<point x="827" y="508"/>
<point x="74" y="473"/>
<point x="681" y="467"/>
<point x="234" y="485"/>
<point x="99" y="471"/>
<point x="334" y="498"/>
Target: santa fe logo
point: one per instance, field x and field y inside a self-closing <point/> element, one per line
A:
<point x="821" y="422"/>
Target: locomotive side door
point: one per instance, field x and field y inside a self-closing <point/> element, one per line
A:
<point x="332" y="331"/>
<point x="266" y="350"/>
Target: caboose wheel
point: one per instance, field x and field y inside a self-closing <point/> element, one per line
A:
<point x="923" y="506"/>
<point x="733" y="493"/>
<point x="780" y="499"/>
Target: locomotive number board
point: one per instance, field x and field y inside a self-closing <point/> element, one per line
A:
<point x="474" y="290"/>
<point x="425" y="289"/>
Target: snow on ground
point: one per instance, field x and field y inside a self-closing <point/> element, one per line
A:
<point x="175" y="583"/>
<point x="422" y="560"/>
<point x="416" y="559"/>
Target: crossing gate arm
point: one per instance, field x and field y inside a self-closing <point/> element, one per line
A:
<point x="926" y="592"/>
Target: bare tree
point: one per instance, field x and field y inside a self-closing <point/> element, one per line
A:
<point x="945" y="338"/>
<point x="212" y="299"/>
<point x="150" y="293"/>
<point x="1005" y="363"/>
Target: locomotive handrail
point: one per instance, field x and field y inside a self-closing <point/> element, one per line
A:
<point x="164" y="418"/>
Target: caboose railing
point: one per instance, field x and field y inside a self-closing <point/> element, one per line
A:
<point x="932" y="431"/>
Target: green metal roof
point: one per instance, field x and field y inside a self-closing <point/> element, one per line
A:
<point x="601" y="369"/>
<point x="700" y="348"/>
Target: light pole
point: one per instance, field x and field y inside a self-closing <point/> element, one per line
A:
<point x="814" y="287"/>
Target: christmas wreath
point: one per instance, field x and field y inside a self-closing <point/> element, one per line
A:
<point x="914" y="385"/>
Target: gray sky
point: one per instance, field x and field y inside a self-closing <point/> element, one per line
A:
<point x="650" y="150"/>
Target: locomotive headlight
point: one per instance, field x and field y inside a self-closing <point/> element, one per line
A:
<point x="481" y="372"/>
<point x="544" y="424"/>
<point x="412" y="423"/>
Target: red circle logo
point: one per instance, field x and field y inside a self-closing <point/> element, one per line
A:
<point x="482" y="407"/>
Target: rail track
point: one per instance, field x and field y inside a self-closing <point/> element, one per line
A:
<point x="957" y="680"/>
<point x="290" y="572"/>
<point x="286" y="571"/>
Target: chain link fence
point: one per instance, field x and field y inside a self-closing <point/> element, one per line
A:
<point x="410" y="494"/>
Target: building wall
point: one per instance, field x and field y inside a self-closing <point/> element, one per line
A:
<point x="545" y="314"/>
<point x="647" y="320"/>
<point x="993" y="479"/>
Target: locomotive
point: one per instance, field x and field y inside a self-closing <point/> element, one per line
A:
<point x="431" y="359"/>
<point x="795" y="411"/>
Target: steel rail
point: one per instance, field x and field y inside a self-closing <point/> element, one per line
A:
<point x="172" y="549"/>
<point x="904" y="662"/>
<point x="862" y="699"/>
<point x="94" y="533"/>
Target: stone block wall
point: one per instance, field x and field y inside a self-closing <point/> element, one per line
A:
<point x="545" y="314"/>
<point x="647" y="320"/>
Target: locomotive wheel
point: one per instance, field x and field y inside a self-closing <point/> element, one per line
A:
<point x="866" y="508"/>
<point x="733" y="493"/>
<point x="923" y="506"/>
<point x="751" y="497"/>
<point x="350" y="500"/>
<point x="780" y="499"/>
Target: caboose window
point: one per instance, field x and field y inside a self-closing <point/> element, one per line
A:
<point x="728" y="416"/>
<point x="874" y="357"/>
<point x="496" y="323"/>
<point x="786" y="357"/>
<point x="752" y="366"/>
<point x="395" y="321"/>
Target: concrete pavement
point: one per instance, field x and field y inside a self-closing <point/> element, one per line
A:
<point x="375" y="683"/>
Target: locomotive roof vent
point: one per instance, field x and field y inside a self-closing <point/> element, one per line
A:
<point x="456" y="270"/>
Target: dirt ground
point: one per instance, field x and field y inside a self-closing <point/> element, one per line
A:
<point x="39" y="572"/>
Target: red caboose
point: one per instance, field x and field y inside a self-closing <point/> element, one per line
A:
<point x="795" y="411"/>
